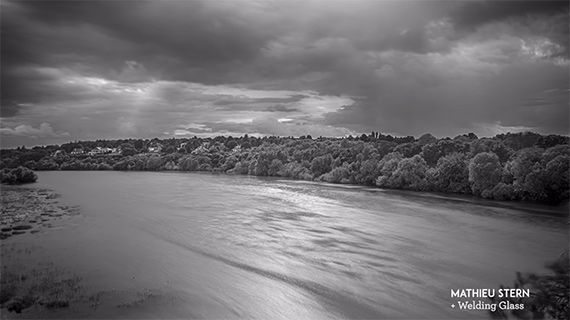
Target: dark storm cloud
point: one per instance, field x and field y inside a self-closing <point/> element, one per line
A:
<point x="194" y="32"/>
<point x="475" y="13"/>
<point x="282" y="108"/>
<point x="180" y="40"/>
<point x="259" y="100"/>
<point x="515" y="97"/>
<point x="32" y="50"/>
<point x="142" y="68"/>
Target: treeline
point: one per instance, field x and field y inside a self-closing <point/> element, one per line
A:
<point x="523" y="166"/>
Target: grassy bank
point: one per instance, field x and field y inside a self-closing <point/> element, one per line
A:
<point x="25" y="282"/>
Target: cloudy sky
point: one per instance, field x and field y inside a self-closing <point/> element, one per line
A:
<point x="114" y="69"/>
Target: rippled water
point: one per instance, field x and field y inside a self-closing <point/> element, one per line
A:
<point x="220" y="246"/>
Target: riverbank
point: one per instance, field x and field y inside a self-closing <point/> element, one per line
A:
<point x="36" y="282"/>
<point x="27" y="210"/>
<point x="27" y="281"/>
<point x="529" y="168"/>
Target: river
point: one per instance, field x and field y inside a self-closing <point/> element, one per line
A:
<point x="214" y="246"/>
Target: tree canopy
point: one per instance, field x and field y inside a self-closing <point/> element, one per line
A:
<point x="521" y="166"/>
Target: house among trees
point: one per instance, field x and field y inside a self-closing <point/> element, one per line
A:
<point x="95" y="151"/>
<point x="102" y="150"/>
<point x="523" y="166"/>
<point x="76" y="151"/>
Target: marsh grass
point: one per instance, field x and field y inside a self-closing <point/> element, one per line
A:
<point x="142" y="297"/>
<point x="48" y="286"/>
<point x="94" y="299"/>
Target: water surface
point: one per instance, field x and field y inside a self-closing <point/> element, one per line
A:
<point x="220" y="246"/>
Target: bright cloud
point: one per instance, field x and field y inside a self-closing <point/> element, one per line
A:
<point x="44" y="130"/>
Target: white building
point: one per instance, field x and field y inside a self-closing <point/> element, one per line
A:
<point x="77" y="151"/>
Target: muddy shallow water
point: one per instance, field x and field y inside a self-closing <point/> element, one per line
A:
<point x="182" y="245"/>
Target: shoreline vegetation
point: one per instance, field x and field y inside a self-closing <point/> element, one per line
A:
<point x="25" y="282"/>
<point x="526" y="167"/>
<point x="33" y="284"/>
<point x="19" y="175"/>
<point x="24" y="210"/>
<point x="550" y="293"/>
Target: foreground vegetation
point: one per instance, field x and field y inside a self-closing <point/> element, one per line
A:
<point x="18" y="175"/>
<point x="524" y="166"/>
<point x="44" y="286"/>
<point x="550" y="293"/>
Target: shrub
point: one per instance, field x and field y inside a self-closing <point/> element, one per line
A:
<point x="17" y="176"/>
<point x="485" y="172"/>
<point x="550" y="293"/>
<point x="501" y="191"/>
<point x="451" y="174"/>
<point x="337" y="175"/>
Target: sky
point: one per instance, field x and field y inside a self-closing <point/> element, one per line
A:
<point x="87" y="70"/>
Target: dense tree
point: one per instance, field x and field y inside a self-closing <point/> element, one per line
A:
<point x="553" y="152"/>
<point x="275" y="168"/>
<point x="491" y="145"/>
<point x="337" y="175"/>
<point x="138" y="144"/>
<point x="229" y="163"/>
<point x="409" y="149"/>
<point x="369" y="171"/>
<point x="383" y="147"/>
<point x="127" y="149"/>
<point x="231" y="144"/>
<point x="410" y="174"/>
<point x="551" y="140"/>
<point x="527" y="167"/>
<point x="17" y="175"/>
<point x="321" y="165"/>
<point x="452" y="174"/>
<point x="427" y="138"/>
<point x="169" y="149"/>
<point x="518" y="141"/>
<point x="154" y="163"/>
<point x="557" y="179"/>
<point x="484" y="173"/>
<point x="521" y="166"/>
<point x="297" y="171"/>
<point x="387" y="166"/>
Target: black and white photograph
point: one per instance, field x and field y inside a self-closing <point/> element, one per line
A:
<point x="284" y="159"/>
